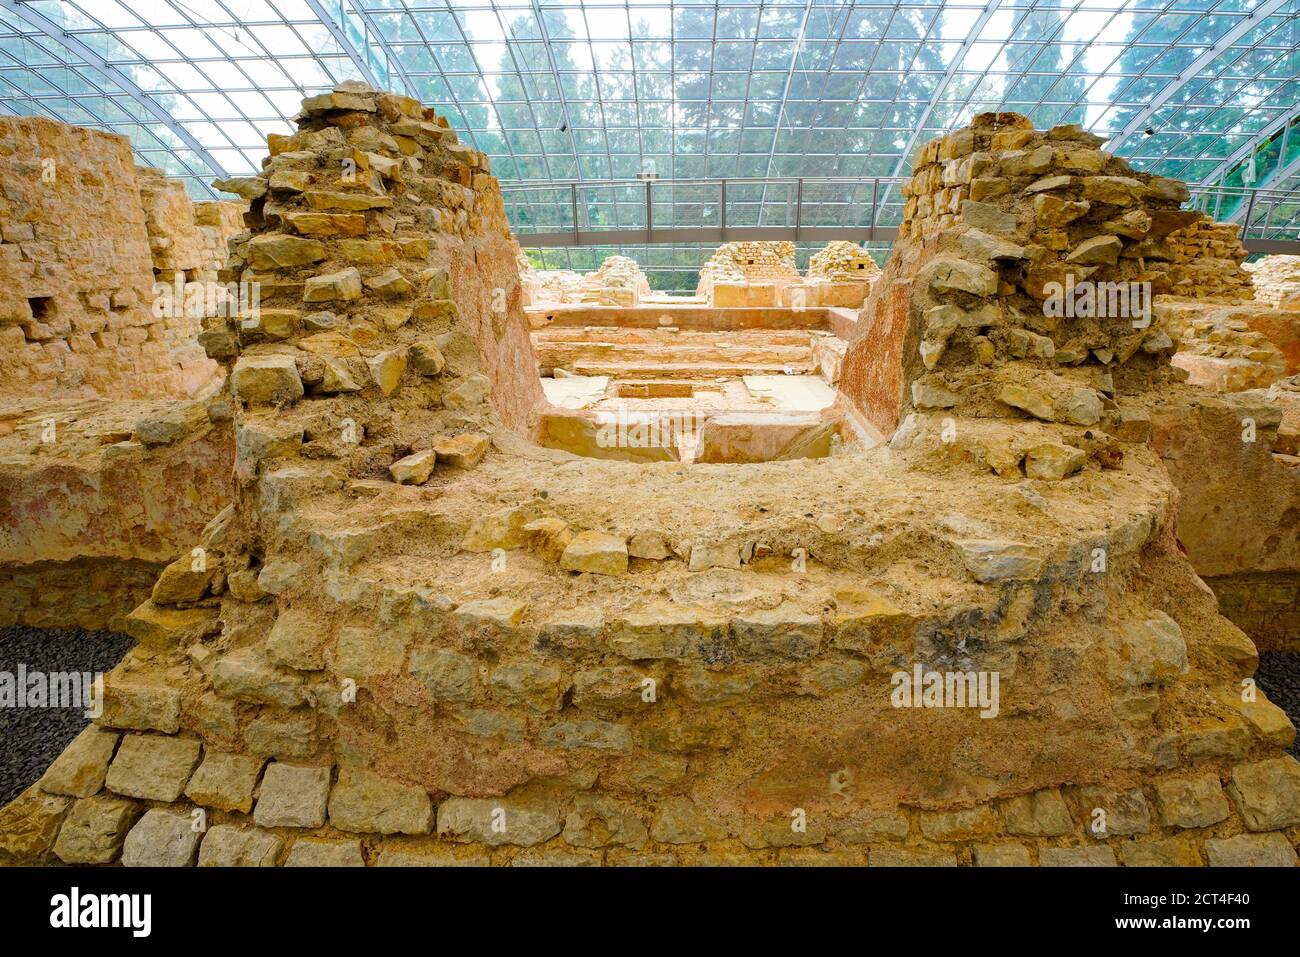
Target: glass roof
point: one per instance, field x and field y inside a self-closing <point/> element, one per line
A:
<point x="1204" y="90"/>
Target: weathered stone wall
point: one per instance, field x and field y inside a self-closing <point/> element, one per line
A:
<point x="95" y="497"/>
<point x="618" y="282"/>
<point x="843" y="262"/>
<point x="1000" y="218"/>
<point x="1207" y="262"/>
<point x="76" y="270"/>
<point x="755" y="262"/>
<point x="1239" y="501"/>
<point x="1265" y="605"/>
<point x="1276" y="280"/>
<point x="419" y="638"/>
<point x="1221" y="346"/>
<point x="187" y="257"/>
<point x="91" y="593"/>
<point x="381" y="251"/>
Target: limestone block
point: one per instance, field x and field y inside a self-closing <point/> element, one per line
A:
<point x="292" y="796"/>
<point x="1039" y="814"/>
<point x="280" y="252"/>
<point x="225" y="781"/>
<point x="184" y="580"/>
<point x="95" y="830"/>
<point x="496" y="821"/>
<point x="264" y="380"/>
<point x="664" y="630"/>
<point x="315" y="853"/>
<point x="677" y="820"/>
<point x="387" y="369"/>
<point x="164" y="628"/>
<point x="341" y="286"/>
<point x="447" y="674"/>
<point x="1000" y="855"/>
<point x="785" y="632"/>
<point x="1001" y="561"/>
<point x="1191" y="801"/>
<point x="162" y="838"/>
<point x="413" y="469"/>
<point x="463" y="451"/>
<point x="1147" y="652"/>
<point x="79" y="771"/>
<point x="29" y="825"/>
<point x="226" y="845"/>
<point x="596" y="552"/>
<point x="153" y="767"/>
<point x="364" y="802"/>
<point x="297" y="640"/>
<point x="1092" y="856"/>
<point x="536" y="687"/>
<point x="1171" y="852"/>
<point x="1267" y="793"/>
<point x="1251" y="850"/>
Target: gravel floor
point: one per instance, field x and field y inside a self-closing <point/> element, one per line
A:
<point x="30" y="738"/>
<point x="1279" y="676"/>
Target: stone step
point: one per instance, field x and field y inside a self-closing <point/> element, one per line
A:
<point x="711" y="370"/>
<point x="566" y="355"/>
<point x="671" y="334"/>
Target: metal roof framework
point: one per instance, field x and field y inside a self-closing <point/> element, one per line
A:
<point x="602" y="90"/>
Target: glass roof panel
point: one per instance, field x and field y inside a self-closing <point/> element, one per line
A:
<point x="1205" y="90"/>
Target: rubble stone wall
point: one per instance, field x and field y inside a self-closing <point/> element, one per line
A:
<point x="1207" y="262"/>
<point x="76" y="270"/>
<point x="843" y="261"/>
<point x="999" y="220"/>
<point x="1276" y="280"/>
<point x="1264" y="605"/>
<point x="187" y="258"/>
<point x="421" y="639"/>
<point x="757" y="262"/>
<point x="95" y="497"/>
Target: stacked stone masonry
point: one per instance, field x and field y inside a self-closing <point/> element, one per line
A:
<point x="843" y="262"/>
<point x="749" y="262"/>
<point x="77" y="270"/>
<point x="418" y="638"/>
<point x="1276" y="280"/>
<point x="1206" y="262"/>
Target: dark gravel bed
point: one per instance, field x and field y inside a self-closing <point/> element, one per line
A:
<point x="30" y="738"/>
<point x="1279" y="677"/>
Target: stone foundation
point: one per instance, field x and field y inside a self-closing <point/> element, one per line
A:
<point x="1265" y="606"/>
<point x="76" y="272"/>
<point x="96" y="497"/>
<point x="95" y="594"/>
<point x="419" y="637"/>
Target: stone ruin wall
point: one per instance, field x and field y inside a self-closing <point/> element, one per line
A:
<point x="995" y="214"/>
<point x="381" y="248"/>
<point x="843" y="261"/>
<point x="233" y="704"/>
<point x="1206" y="262"/>
<point x="754" y="262"/>
<point x="77" y="271"/>
<point x="133" y="469"/>
<point x="618" y="281"/>
<point x="189" y="245"/>
<point x="1125" y="682"/>
<point x="1276" y="280"/>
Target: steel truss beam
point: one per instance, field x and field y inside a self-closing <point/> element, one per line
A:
<point x="341" y="38"/>
<point x="52" y="30"/>
<point x="948" y="75"/>
<point x="1193" y="69"/>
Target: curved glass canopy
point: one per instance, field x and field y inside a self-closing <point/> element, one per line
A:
<point x="558" y="90"/>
